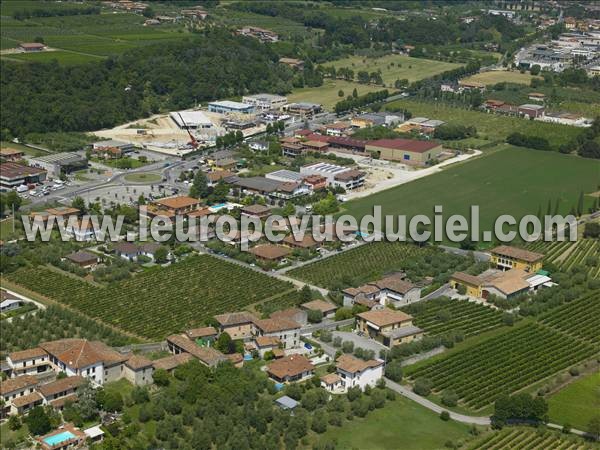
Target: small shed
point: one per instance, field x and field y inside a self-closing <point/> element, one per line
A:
<point x="286" y="403"/>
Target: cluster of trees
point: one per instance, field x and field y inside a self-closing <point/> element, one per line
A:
<point x="354" y="102"/>
<point x="98" y="95"/>
<point x="451" y="131"/>
<point x="523" y="140"/>
<point x="521" y="408"/>
<point x="230" y="139"/>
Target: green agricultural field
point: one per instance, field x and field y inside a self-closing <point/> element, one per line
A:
<point x="490" y="126"/>
<point x="284" y="27"/>
<point x="159" y="301"/>
<point x="444" y="315"/>
<point x="400" y="424"/>
<point x="63" y="57"/>
<point x="505" y="363"/>
<point x="530" y="438"/>
<point x="372" y="261"/>
<point x="514" y="181"/>
<point x="577" y="403"/>
<point x="394" y="67"/>
<point x="565" y="255"/>
<point x="501" y="76"/>
<point x="327" y="94"/>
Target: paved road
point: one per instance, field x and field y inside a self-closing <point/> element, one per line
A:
<point x="326" y="326"/>
<point x="27" y="299"/>
<point x="483" y="421"/>
<point x="479" y="256"/>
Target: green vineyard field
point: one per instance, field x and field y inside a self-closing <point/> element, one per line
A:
<point x="160" y="301"/>
<point x="530" y="439"/>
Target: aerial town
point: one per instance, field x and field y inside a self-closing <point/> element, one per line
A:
<point x="160" y="115"/>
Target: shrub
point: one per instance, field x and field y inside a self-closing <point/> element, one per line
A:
<point x="449" y="398"/>
<point x="445" y="416"/>
<point x="422" y="387"/>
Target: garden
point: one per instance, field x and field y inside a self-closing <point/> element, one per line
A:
<point x="158" y="301"/>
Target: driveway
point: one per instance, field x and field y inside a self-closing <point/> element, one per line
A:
<point x="360" y="341"/>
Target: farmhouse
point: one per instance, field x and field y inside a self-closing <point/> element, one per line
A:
<point x="13" y="175"/>
<point x="295" y="314"/>
<point x="239" y="325"/>
<point x="393" y="290"/>
<point x="388" y="326"/>
<point x="179" y="343"/>
<point x="264" y="344"/>
<point x="292" y="62"/>
<point x="28" y="362"/>
<point x="357" y="372"/>
<point x="407" y="151"/>
<point x="506" y="257"/>
<point x="531" y="111"/>
<point x="290" y="368"/>
<point x="326" y="308"/>
<point x="504" y="284"/>
<point x="285" y="330"/>
<point x="55" y="392"/>
<point x="270" y="252"/>
<point x="202" y="336"/>
<point x="32" y="47"/>
<point x="10" y="304"/>
<point x="306" y="242"/>
<point x="170" y="363"/>
<point x="83" y="259"/>
<point x="138" y="370"/>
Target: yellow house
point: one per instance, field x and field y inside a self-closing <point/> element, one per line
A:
<point x="470" y="282"/>
<point x="506" y="257"/>
<point x="388" y="326"/>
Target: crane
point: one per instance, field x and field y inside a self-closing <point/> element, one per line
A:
<point x="193" y="142"/>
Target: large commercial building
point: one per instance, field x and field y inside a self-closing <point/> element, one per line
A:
<point x="58" y="163"/>
<point x="338" y="176"/>
<point x="265" y="102"/>
<point x="192" y="120"/>
<point x="407" y="151"/>
<point x="13" y="175"/>
<point x="227" y="106"/>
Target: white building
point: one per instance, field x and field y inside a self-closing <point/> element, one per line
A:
<point x="265" y="102"/>
<point x="357" y="372"/>
<point x="285" y="176"/>
<point x="344" y="177"/>
<point x="227" y="106"/>
<point x="28" y="362"/>
<point x="192" y="120"/>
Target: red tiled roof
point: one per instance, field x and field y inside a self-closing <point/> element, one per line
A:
<point x="409" y="145"/>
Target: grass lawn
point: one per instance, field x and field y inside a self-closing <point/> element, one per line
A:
<point x="499" y="76"/>
<point x="145" y="177"/>
<point x="490" y="126"/>
<point x="6" y="229"/>
<point x="514" y="181"/>
<point x="27" y="150"/>
<point x="327" y="95"/>
<point x="412" y="69"/>
<point x="400" y="424"/>
<point x="135" y="163"/>
<point x="577" y="403"/>
<point x="8" y="436"/>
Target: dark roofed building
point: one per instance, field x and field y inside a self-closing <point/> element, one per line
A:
<point x="83" y="259"/>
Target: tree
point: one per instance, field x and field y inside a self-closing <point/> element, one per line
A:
<point x="8" y="201"/>
<point x="161" y="254"/>
<point x="449" y="398"/>
<point x="354" y="93"/>
<point x="593" y="427"/>
<point x="110" y="401"/>
<point x="14" y="422"/>
<point x="38" y="421"/>
<point x="348" y="347"/>
<point x="141" y="200"/>
<point x="315" y="316"/>
<point x="305" y="294"/>
<point x="393" y="370"/>
<point x="225" y="344"/>
<point x="520" y="407"/>
<point x="161" y="377"/>
<point x="199" y="186"/>
<point x="340" y="93"/>
<point x="445" y="416"/>
<point x="139" y="395"/>
<point x="591" y="230"/>
<point x="535" y="69"/>
<point x="422" y="387"/>
<point x="79" y="203"/>
<point x="148" y="12"/>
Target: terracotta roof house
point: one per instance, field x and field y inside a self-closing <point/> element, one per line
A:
<point x="270" y="252"/>
<point x="202" y="333"/>
<point x="90" y="359"/>
<point x="332" y="382"/>
<point x="290" y="368"/>
<point x="83" y="259"/>
<point x="61" y="388"/>
<point x="287" y="331"/>
<point x="169" y="363"/>
<point x="178" y="343"/>
<point x="306" y="242"/>
<point x="296" y="314"/>
<point x="507" y="257"/>
<point x="328" y="309"/>
<point x="173" y="206"/>
<point x="16" y="387"/>
<point x="260" y="211"/>
<point x="388" y="326"/>
<point x="22" y="404"/>
<point x="138" y="370"/>
<point x="239" y="325"/>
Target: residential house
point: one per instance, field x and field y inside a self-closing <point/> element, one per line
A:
<point x="536" y="97"/>
<point x="506" y="257"/>
<point x="504" y="284"/>
<point x="397" y="290"/>
<point x="28" y="362"/>
<point x="316" y="182"/>
<point x="239" y="325"/>
<point x="203" y="336"/>
<point x="127" y="250"/>
<point x="337" y="128"/>
<point x="326" y="308"/>
<point x="355" y="372"/>
<point x="256" y="211"/>
<point x="290" y="369"/>
<point x="368" y="293"/>
<point x="32" y="47"/>
<point x="270" y="252"/>
<point x="407" y="151"/>
<point x="170" y="363"/>
<point x="83" y="259"/>
<point x="179" y="343"/>
<point x="294" y="63"/>
<point x="138" y="370"/>
<point x="297" y="315"/>
<point x="14" y="388"/>
<point x="307" y="242"/>
<point x="23" y="404"/>
<point x="388" y="326"/>
<point x="218" y="175"/>
<point x="285" y="330"/>
<point x="315" y="146"/>
<point x="261" y="34"/>
<point x="57" y="392"/>
<point x="82" y="230"/>
<point x="531" y="111"/>
<point x="264" y="344"/>
<point x="173" y="206"/>
<point x="259" y="146"/>
<point x="9" y="301"/>
<point x="332" y="382"/>
<point x="91" y="359"/>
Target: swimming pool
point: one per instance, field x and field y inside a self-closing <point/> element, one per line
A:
<point x="58" y="438"/>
